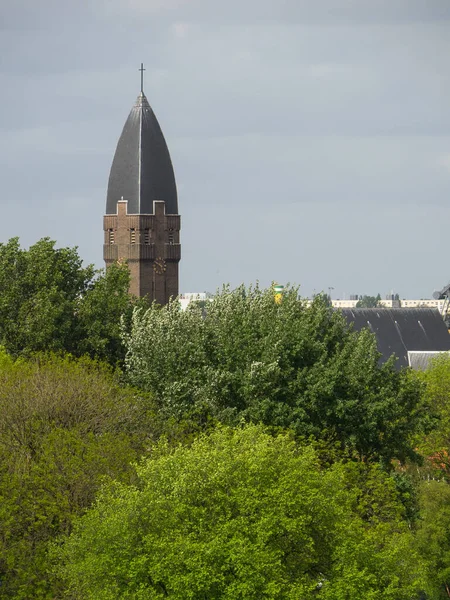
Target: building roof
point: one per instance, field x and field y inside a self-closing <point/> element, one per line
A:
<point x="142" y="171"/>
<point x="401" y="331"/>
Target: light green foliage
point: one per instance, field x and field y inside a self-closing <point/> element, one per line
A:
<point x="65" y="425"/>
<point x="285" y="365"/>
<point x="436" y="445"/>
<point x="243" y="515"/>
<point x="433" y="537"/>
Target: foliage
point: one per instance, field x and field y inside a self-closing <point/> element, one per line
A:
<point x="288" y="365"/>
<point x="240" y="514"/>
<point x="436" y="445"/>
<point x="433" y="537"/>
<point x="369" y="301"/>
<point x="65" y="425"/>
<point x="101" y="310"/>
<point x="50" y="302"/>
<point x="39" y="289"/>
<point x="237" y="514"/>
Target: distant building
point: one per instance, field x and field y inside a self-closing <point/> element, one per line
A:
<point x="142" y="224"/>
<point x="414" y="335"/>
<point x="188" y="297"/>
<point x="392" y="303"/>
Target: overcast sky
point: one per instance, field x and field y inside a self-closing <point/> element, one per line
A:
<point x="310" y="138"/>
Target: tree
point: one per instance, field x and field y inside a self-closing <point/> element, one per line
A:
<point x="432" y="479"/>
<point x="50" y="302"/>
<point x="288" y="366"/>
<point x="102" y="311"/>
<point x="65" y="425"/>
<point x="239" y="514"/>
<point x="436" y="445"/>
<point x="433" y="537"/>
<point x="369" y="301"/>
<point x="39" y="290"/>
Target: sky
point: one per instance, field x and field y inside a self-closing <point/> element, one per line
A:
<point x="310" y="138"/>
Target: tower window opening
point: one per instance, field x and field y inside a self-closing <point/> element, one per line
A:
<point x="147" y="236"/>
<point x="111" y="236"/>
<point x="171" y="237"/>
<point x="132" y="236"/>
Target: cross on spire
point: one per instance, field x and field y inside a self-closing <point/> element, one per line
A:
<point x="142" y="77"/>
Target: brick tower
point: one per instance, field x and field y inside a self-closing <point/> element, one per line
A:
<point x="142" y="224"/>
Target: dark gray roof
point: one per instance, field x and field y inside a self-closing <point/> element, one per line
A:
<point x="142" y="171"/>
<point x="401" y="330"/>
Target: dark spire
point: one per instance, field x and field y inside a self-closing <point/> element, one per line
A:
<point x="142" y="171"/>
<point x="142" y="77"/>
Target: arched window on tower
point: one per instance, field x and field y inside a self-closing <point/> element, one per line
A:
<point x="171" y="237"/>
<point x="111" y="236"/>
<point x="132" y="235"/>
<point x="147" y="236"/>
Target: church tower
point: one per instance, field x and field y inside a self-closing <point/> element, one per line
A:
<point x="142" y="224"/>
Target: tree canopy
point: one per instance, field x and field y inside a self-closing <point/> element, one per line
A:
<point x="290" y="366"/>
<point x="369" y="301"/>
<point x="436" y="445"/>
<point x="50" y="302"/>
<point x="246" y="451"/>
<point x="433" y="537"/>
<point x="65" y="425"/>
<point x="237" y="515"/>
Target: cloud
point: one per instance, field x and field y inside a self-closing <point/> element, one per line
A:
<point x="141" y="8"/>
<point x="444" y="162"/>
<point x="180" y="30"/>
<point x="305" y="12"/>
<point x="330" y="114"/>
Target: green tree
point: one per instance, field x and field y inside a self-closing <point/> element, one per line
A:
<point x="104" y="309"/>
<point x="433" y="537"/>
<point x="65" y="425"/>
<point x="50" y="302"/>
<point x="369" y="301"/>
<point x="288" y="365"/>
<point x="39" y="289"/>
<point x="240" y="515"/>
<point x="436" y="445"/>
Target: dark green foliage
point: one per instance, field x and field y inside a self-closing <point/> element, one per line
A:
<point x="408" y="495"/>
<point x="50" y="302"/>
<point x="368" y="301"/>
<point x="103" y="310"/>
<point x="287" y="366"/>
<point x="39" y="290"/>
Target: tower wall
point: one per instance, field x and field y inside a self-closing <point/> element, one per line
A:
<point x="150" y="244"/>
